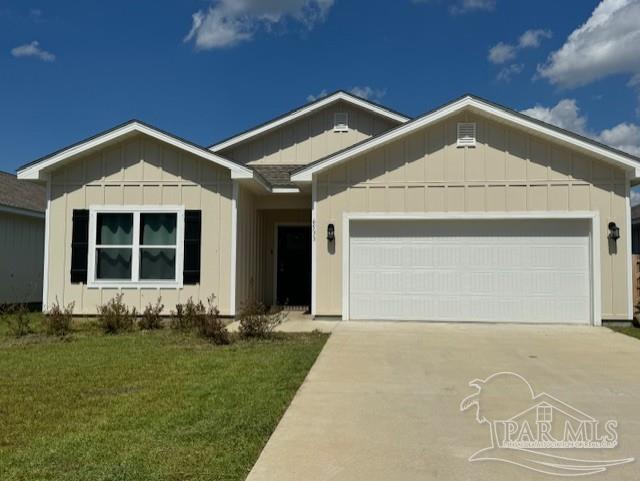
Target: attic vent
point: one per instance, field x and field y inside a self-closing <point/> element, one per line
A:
<point x="340" y="122"/>
<point x="466" y="134"/>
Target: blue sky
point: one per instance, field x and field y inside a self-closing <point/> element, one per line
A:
<point x="207" y="69"/>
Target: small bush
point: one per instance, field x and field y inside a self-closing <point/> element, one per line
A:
<point x="257" y="321"/>
<point x="151" y="316"/>
<point x="187" y="316"/>
<point x="17" y="319"/>
<point x="115" y="316"/>
<point x="211" y="326"/>
<point x="57" y="320"/>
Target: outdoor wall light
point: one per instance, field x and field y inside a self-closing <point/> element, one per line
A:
<point x="614" y="231"/>
<point x="331" y="233"/>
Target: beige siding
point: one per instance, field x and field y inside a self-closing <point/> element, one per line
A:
<point x="142" y="171"/>
<point x="249" y="252"/>
<point x="309" y="138"/>
<point x="21" y="258"/>
<point x="509" y="170"/>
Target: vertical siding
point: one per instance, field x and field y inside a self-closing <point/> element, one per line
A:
<point x="142" y="171"/>
<point x="309" y="138"/>
<point x="509" y="170"/>
<point x="249" y="252"/>
<point x="21" y="258"/>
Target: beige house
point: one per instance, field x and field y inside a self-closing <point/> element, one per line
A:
<point x="471" y="212"/>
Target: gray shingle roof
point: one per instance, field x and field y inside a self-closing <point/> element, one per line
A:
<point x="21" y="194"/>
<point x="276" y="175"/>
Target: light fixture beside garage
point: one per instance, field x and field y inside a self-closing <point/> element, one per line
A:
<point x="331" y="233"/>
<point x="614" y="231"/>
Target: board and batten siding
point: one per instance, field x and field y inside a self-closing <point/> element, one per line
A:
<point x="21" y="258"/>
<point x="142" y="171"/>
<point x="309" y="138"/>
<point x="508" y="170"/>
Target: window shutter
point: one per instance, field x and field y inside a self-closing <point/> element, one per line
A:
<point x="79" y="246"/>
<point x="192" y="242"/>
<point x="466" y="134"/>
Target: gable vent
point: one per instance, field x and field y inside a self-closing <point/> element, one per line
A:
<point x="340" y="122"/>
<point x="466" y="134"/>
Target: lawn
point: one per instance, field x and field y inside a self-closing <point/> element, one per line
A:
<point x="629" y="331"/>
<point x="156" y="405"/>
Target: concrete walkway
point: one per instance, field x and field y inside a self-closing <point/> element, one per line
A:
<point x="382" y="403"/>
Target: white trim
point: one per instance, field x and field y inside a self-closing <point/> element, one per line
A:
<point x="593" y="216"/>
<point x="285" y="190"/>
<point x="314" y="270"/>
<point x="34" y="171"/>
<point x="24" y="212"/>
<point x="234" y="249"/>
<point x="305" y="111"/>
<point x="276" y="226"/>
<point x="306" y="174"/>
<point x="47" y="223"/>
<point x="135" y="283"/>
<point x="629" y="257"/>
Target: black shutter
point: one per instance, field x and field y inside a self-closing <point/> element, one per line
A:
<point x="79" y="246"/>
<point x="192" y="234"/>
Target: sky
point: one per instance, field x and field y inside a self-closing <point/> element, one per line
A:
<point x="206" y="69"/>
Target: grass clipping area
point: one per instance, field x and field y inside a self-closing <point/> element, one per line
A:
<point x="156" y="405"/>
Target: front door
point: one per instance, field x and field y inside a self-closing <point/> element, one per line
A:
<point x="293" y="265"/>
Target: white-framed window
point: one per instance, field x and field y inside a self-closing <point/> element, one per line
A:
<point x="341" y="122"/>
<point x="135" y="246"/>
<point x="466" y="134"/>
<point x="544" y="414"/>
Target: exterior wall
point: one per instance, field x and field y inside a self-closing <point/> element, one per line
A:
<point x="21" y="258"/>
<point x="509" y="170"/>
<point x="142" y="171"/>
<point x="309" y="138"/>
<point x="249" y="278"/>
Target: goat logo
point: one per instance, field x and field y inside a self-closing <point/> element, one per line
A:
<point x="527" y="429"/>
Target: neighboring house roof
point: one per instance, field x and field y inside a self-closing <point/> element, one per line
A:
<point x="17" y="195"/>
<point x="307" y="109"/>
<point x="305" y="173"/>
<point x="277" y="175"/>
<point x="34" y="169"/>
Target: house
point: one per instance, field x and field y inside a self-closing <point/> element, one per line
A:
<point x="22" y="212"/>
<point x="470" y="212"/>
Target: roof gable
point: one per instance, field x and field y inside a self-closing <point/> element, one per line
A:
<point x="36" y="169"/>
<point x="308" y="109"/>
<point x="483" y="107"/>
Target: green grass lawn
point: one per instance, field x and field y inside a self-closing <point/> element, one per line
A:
<point x="629" y="331"/>
<point x="144" y="405"/>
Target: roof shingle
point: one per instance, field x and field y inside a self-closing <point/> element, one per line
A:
<point x="277" y="175"/>
<point x="21" y="194"/>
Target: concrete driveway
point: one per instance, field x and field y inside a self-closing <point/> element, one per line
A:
<point x="383" y="401"/>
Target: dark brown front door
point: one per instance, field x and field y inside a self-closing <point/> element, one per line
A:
<point x="294" y="265"/>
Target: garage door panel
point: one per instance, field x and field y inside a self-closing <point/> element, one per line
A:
<point x="498" y="270"/>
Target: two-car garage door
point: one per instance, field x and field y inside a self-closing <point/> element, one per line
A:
<point x="525" y="270"/>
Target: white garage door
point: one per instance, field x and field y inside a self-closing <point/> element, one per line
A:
<point x="470" y="270"/>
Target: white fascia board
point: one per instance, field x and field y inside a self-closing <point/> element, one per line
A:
<point x="285" y="190"/>
<point x="307" y="110"/>
<point x="448" y="110"/>
<point x="34" y="172"/>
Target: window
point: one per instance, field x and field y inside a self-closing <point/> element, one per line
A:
<point x="340" y="122"/>
<point x="136" y="246"/>
<point x="544" y="414"/>
<point x="466" y="134"/>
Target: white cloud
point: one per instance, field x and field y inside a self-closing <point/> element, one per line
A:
<point x="32" y="50"/>
<point x="313" y="98"/>
<point x="229" y="22"/>
<point x="606" y="44"/>
<point x="507" y="72"/>
<point x="566" y="114"/>
<point x="468" y="6"/>
<point x="368" y="93"/>
<point x="501" y="53"/>
<point x="532" y="38"/>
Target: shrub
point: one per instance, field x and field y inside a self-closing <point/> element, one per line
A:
<point x="188" y="315"/>
<point x="17" y="318"/>
<point x="211" y="326"/>
<point x="57" y="320"/>
<point x="257" y="321"/>
<point x="115" y="316"/>
<point x="151" y="316"/>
